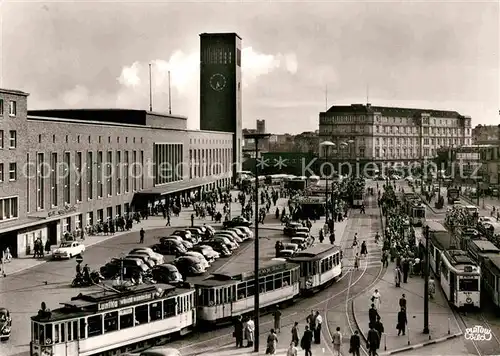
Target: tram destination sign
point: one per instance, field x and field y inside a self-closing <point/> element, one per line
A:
<point x="265" y="271"/>
<point x="117" y="303"/>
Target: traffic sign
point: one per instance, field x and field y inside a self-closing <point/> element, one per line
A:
<point x="79" y="258"/>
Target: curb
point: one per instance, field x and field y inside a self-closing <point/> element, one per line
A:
<point x="423" y="344"/>
<point x="356" y="319"/>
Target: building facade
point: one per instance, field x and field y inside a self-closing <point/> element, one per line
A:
<point x="486" y="135"/>
<point x="221" y="88"/>
<point x="61" y="170"/>
<point x="389" y="134"/>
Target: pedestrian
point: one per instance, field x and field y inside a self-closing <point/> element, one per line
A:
<point x="337" y="341"/>
<point x="192" y="220"/>
<point x="356" y="261"/>
<point x="306" y="341"/>
<point x="385" y="259"/>
<point x="238" y="331"/>
<point x="295" y="333"/>
<point x="168" y="220"/>
<point x="355" y="344"/>
<point x="364" y="250"/>
<point x="372" y="315"/>
<point x="249" y="332"/>
<point x="292" y="350"/>
<point x="402" y="301"/>
<point x="406" y="270"/>
<point x="272" y="341"/>
<point x="141" y="236"/>
<point x="379" y="326"/>
<point x="317" y="328"/>
<point x="332" y="238"/>
<point x="372" y="342"/>
<point x="277" y="319"/>
<point x="376" y="299"/>
<point x="402" y="322"/>
<point x="311" y="321"/>
<point x="397" y="276"/>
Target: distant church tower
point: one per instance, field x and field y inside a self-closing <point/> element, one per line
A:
<point x="220" y="88"/>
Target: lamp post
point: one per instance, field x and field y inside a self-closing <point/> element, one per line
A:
<point x="256" y="137"/>
<point x="327" y="145"/>
<point x="426" y="285"/>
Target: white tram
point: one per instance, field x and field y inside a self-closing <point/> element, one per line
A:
<point x="229" y="294"/>
<point x="460" y="279"/>
<point x="113" y="322"/>
<point x="319" y="265"/>
<point x="440" y="240"/>
<point x="417" y="214"/>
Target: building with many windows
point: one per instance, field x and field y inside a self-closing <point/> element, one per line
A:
<point x="61" y="170"/>
<point x="389" y="134"/>
<point x="486" y="135"/>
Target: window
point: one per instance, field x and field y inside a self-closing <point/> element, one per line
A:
<point x="110" y="321"/>
<point x="53" y="179"/>
<point x="126" y="318"/>
<point x="1" y="139"/>
<point x="53" y="138"/>
<point x="99" y="174"/>
<point x="126" y="171"/>
<point x="89" y="176"/>
<point x="1" y="172"/>
<point x="118" y="172"/>
<point x="142" y="314"/>
<point x="8" y="208"/>
<point x="40" y="172"/>
<point x="1" y="107"/>
<point x="67" y="178"/>
<point x="94" y="324"/>
<point x="78" y="168"/>
<point x="12" y="139"/>
<point x="12" y="108"/>
<point x="109" y="173"/>
<point x="134" y="171"/>
<point x="12" y="171"/>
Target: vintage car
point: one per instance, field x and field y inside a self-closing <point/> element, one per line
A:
<point x="237" y="221"/>
<point x="5" y="324"/>
<point x="68" y="249"/>
<point x="291" y="228"/>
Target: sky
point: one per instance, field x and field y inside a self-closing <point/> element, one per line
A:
<point x="298" y="57"/>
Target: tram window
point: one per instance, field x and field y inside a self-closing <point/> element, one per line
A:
<point x="314" y="267"/>
<point x="179" y="305"/>
<point x="63" y="332"/>
<point x="83" y="328"/>
<point x="48" y="333"/>
<point x="224" y="295"/>
<point x="75" y="330"/>
<point x="110" y="322"/>
<point x="250" y="289"/>
<point x="169" y="308"/>
<point x="126" y="318"/>
<point x="287" y="278"/>
<point x="303" y="269"/>
<point x="269" y="283"/>
<point x="262" y="285"/>
<point x="142" y="314"/>
<point x="35" y="331"/>
<point x="56" y="333"/>
<point x="70" y="331"/>
<point x="94" y="324"/>
<point x="219" y="296"/>
<point x="242" y="290"/>
<point x="468" y="284"/>
<point x="211" y="296"/>
<point x="155" y="311"/>
<point x="278" y="281"/>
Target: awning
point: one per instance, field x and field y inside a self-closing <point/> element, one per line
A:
<point x="39" y="218"/>
<point x="175" y="187"/>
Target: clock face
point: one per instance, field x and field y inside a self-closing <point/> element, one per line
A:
<point x="217" y="82"/>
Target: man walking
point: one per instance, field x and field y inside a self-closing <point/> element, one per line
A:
<point x="306" y="341"/>
<point x="402" y="321"/>
<point x="354" y="344"/>
<point x="141" y="236"/>
<point x="277" y="319"/>
<point x="337" y="341"/>
<point x="373" y="341"/>
<point x="317" y="329"/>
<point x="372" y="315"/>
<point x="402" y="301"/>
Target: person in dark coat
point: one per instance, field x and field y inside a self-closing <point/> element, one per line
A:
<point x="379" y="326"/>
<point x="372" y="315"/>
<point x="355" y="344"/>
<point x="238" y="331"/>
<point x="141" y="236"/>
<point x="402" y="321"/>
<point x="372" y="342"/>
<point x="295" y="334"/>
<point x="306" y="341"/>
<point x="402" y="302"/>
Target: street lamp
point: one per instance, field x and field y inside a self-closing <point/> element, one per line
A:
<point x="256" y="137"/>
<point x="327" y="145"/>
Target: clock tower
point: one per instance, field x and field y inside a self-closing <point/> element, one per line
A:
<point x="220" y="87"/>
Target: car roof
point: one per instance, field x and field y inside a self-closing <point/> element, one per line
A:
<point x="190" y="258"/>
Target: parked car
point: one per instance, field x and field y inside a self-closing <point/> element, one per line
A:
<point x="231" y="245"/>
<point x="68" y="249"/>
<point x="186" y="243"/>
<point x="304" y="235"/>
<point x="300" y="241"/>
<point x="187" y="235"/>
<point x="144" y="258"/>
<point x="166" y="273"/>
<point x="199" y="256"/>
<point x="156" y="257"/>
<point x="169" y="247"/>
<point x="237" y="234"/>
<point x="291" y="228"/>
<point x="219" y="247"/>
<point x="237" y="221"/>
<point x="246" y="230"/>
<point x="230" y="235"/>
<point x="189" y="265"/>
<point x="291" y="247"/>
<point x="286" y="253"/>
<point x="208" y="252"/>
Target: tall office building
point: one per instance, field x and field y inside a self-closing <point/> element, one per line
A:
<point x="261" y="126"/>
<point x="220" y="87"/>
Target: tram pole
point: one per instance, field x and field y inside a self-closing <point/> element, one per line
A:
<point x="256" y="137"/>
<point x="426" y="285"/>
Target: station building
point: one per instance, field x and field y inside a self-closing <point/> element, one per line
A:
<point x="61" y="170"/>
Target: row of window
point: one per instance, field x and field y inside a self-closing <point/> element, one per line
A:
<point x="415" y="141"/>
<point x="329" y="120"/>
<point x="12" y="172"/>
<point x="12" y="108"/>
<point x="403" y="152"/>
<point x="168" y="159"/>
<point x="100" y="324"/>
<point x="205" y="162"/>
<point x="208" y="141"/>
<point x="9" y="208"/>
<point x="113" y="171"/>
<point x="12" y="139"/>
<point x="89" y="139"/>
<point x="311" y="268"/>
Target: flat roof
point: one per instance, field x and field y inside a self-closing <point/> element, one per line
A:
<point x="221" y="34"/>
<point x="315" y="252"/>
<point x="485" y="245"/>
<point x="13" y="92"/>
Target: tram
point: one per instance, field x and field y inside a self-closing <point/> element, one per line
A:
<point x="491" y="278"/>
<point x="440" y="240"/>
<point x="417" y="214"/>
<point x="460" y="279"/>
<point x="113" y="321"/>
<point x="358" y="199"/>
<point x="319" y="265"/>
<point x="229" y="294"/>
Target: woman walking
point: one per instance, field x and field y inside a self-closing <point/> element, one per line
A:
<point x="272" y="341"/>
<point x="364" y="250"/>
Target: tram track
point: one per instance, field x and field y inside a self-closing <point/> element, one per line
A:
<point x="468" y="321"/>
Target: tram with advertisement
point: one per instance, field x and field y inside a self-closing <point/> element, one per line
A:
<point x="460" y="279"/>
<point x="114" y="321"/>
